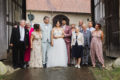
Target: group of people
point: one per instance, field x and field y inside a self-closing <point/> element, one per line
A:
<point x="87" y="44"/>
<point x="44" y="46"/>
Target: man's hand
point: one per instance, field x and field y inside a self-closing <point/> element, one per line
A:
<point x="64" y="35"/>
<point x="11" y="45"/>
<point x="26" y="47"/>
<point x="15" y="26"/>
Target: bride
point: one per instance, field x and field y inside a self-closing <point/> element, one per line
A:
<point x="57" y="54"/>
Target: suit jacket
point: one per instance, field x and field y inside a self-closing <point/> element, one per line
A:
<point x="87" y="36"/>
<point x="46" y="32"/>
<point x="80" y="27"/>
<point x="79" y="39"/>
<point x="15" y="37"/>
<point x="68" y="34"/>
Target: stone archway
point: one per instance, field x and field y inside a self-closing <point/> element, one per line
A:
<point x="60" y="18"/>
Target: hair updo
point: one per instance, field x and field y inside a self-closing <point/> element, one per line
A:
<point x="36" y="27"/>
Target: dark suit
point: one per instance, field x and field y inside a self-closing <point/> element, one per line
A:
<point x="19" y="46"/>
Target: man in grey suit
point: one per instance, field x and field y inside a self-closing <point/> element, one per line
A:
<point x="46" y="29"/>
<point x="87" y="40"/>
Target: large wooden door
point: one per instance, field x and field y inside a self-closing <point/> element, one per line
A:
<point x="112" y="28"/>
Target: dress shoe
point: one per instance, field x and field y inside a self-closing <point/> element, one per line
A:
<point x="44" y="65"/>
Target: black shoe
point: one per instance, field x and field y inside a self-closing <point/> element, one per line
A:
<point x="15" y="67"/>
<point x="27" y="66"/>
<point x="44" y="65"/>
<point x="22" y="67"/>
<point x="83" y="64"/>
<point x="86" y="64"/>
<point x="69" y="65"/>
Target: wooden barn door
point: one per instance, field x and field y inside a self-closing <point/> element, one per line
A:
<point x="112" y="28"/>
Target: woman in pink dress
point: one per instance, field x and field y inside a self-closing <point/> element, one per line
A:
<point x="28" y="50"/>
<point x="96" y="46"/>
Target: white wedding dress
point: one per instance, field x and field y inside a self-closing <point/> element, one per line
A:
<point x="57" y="54"/>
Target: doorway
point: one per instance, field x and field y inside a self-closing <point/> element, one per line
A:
<point x="60" y="18"/>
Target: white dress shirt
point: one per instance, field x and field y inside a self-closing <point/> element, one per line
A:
<point x="64" y="27"/>
<point x="46" y="27"/>
<point x="22" y="33"/>
<point x="91" y="29"/>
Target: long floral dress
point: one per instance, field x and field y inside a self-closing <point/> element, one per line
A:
<point x="36" y="53"/>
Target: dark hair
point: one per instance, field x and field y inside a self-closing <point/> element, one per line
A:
<point x="99" y="25"/>
<point x="63" y="19"/>
<point x="36" y="27"/>
<point x="45" y="17"/>
<point x="56" y="22"/>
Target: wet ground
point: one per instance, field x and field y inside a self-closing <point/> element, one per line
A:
<point x="53" y="74"/>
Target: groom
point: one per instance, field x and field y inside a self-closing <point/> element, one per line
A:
<point x="46" y="29"/>
<point x="67" y="38"/>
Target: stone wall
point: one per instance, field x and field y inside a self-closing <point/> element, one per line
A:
<point x="73" y="17"/>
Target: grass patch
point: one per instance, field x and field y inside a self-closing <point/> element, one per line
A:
<point x="2" y="77"/>
<point x="101" y="74"/>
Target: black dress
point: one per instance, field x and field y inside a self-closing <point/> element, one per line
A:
<point x="77" y="50"/>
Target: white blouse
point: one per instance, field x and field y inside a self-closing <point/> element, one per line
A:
<point x="79" y="39"/>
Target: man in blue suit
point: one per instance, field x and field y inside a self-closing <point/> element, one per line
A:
<point x="46" y="29"/>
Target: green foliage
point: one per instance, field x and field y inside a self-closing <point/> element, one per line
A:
<point x="3" y="77"/>
<point x="102" y="74"/>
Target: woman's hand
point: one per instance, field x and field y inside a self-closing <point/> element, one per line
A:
<point x="102" y="36"/>
<point x="52" y="44"/>
<point x="31" y="41"/>
<point x="56" y="37"/>
<point x="31" y="47"/>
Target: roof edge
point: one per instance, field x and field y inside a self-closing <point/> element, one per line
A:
<point x="58" y="11"/>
